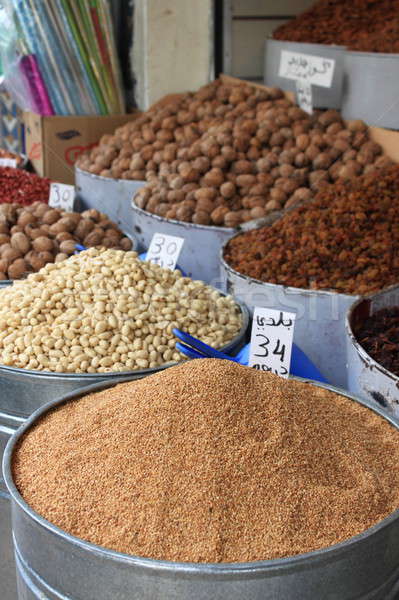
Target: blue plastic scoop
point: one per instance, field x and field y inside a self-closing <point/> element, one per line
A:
<point x="301" y="365"/>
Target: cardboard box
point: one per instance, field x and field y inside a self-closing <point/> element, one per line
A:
<point x="53" y="144"/>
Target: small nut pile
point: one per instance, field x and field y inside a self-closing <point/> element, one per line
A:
<point x="32" y="236"/>
<point x="231" y="153"/>
<point x="105" y="310"/>
<point x="346" y="240"/>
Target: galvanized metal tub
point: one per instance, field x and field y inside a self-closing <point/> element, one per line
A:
<point x="322" y="97"/>
<point x="110" y="196"/>
<point x="53" y="564"/>
<point x="367" y="378"/>
<point x="23" y="391"/>
<point x="371" y="88"/>
<point x="8" y="581"/>
<point x="320" y="317"/>
<point x="199" y="257"/>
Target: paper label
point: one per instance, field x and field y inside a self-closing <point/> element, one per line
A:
<point x="62" y="196"/>
<point x="305" y="67"/>
<point x="8" y="162"/>
<point x="304" y="96"/>
<point x="271" y="341"/>
<point x="165" y="250"/>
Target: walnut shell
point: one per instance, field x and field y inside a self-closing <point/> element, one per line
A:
<point x="20" y="242"/>
<point x="26" y="218"/>
<point x="17" y="269"/>
<point x="93" y="239"/>
<point x="68" y="246"/>
<point x="43" y="244"/>
<point x="10" y="254"/>
<point x="84" y="227"/>
<point x="51" y="216"/>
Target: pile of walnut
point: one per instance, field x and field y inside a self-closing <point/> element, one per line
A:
<point x="231" y="153"/>
<point x="32" y="236"/>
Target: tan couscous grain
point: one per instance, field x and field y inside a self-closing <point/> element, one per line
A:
<point x="210" y="461"/>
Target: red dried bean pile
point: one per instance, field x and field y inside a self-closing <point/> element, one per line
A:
<point x="21" y="187"/>
<point x="379" y="336"/>
<point x="364" y="25"/>
<point x="346" y="240"/>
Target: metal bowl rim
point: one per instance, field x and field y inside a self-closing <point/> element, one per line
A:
<point x="318" y="45"/>
<point x="102" y="178"/>
<point x="186" y="224"/>
<point x="354" y="341"/>
<point x="236" y="569"/>
<point x="137" y="373"/>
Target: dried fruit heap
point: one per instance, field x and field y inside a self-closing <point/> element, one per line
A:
<point x="347" y="239"/>
<point x="231" y="153"/>
<point x="22" y="187"/>
<point x="211" y="462"/>
<point x="379" y="336"/>
<point x="366" y="25"/>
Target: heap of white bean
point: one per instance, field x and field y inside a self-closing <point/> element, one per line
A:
<point x="106" y="310"/>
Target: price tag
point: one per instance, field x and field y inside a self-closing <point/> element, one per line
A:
<point x="62" y="196"/>
<point x="8" y="162"/>
<point x="271" y="341"/>
<point x="165" y="250"/>
<point x="304" y="96"/>
<point x="316" y="70"/>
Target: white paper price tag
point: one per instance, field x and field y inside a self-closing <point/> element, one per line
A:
<point x="305" y="67"/>
<point x="8" y="162"/>
<point x="62" y="196"/>
<point x="271" y="341"/>
<point x="304" y="96"/>
<point x="165" y="250"/>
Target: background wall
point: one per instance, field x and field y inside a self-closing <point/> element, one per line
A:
<point x="247" y="23"/>
<point x="172" y="47"/>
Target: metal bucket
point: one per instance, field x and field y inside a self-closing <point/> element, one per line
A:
<point x="23" y="391"/>
<point x="199" y="257"/>
<point x="320" y="317"/>
<point x="322" y="97"/>
<point x="53" y="564"/>
<point x="110" y="196"/>
<point x="372" y="97"/>
<point x="366" y="377"/>
<point x="8" y="581"/>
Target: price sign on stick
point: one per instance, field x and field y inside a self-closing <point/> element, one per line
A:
<point x="304" y="96"/>
<point x="165" y="250"/>
<point x="62" y="196"/>
<point x="306" y="70"/>
<point x="271" y="341"/>
<point x="8" y="162"/>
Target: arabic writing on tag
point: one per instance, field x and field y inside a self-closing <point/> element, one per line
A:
<point x="316" y="70"/>
<point x="304" y="96"/>
<point x="271" y="341"/>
